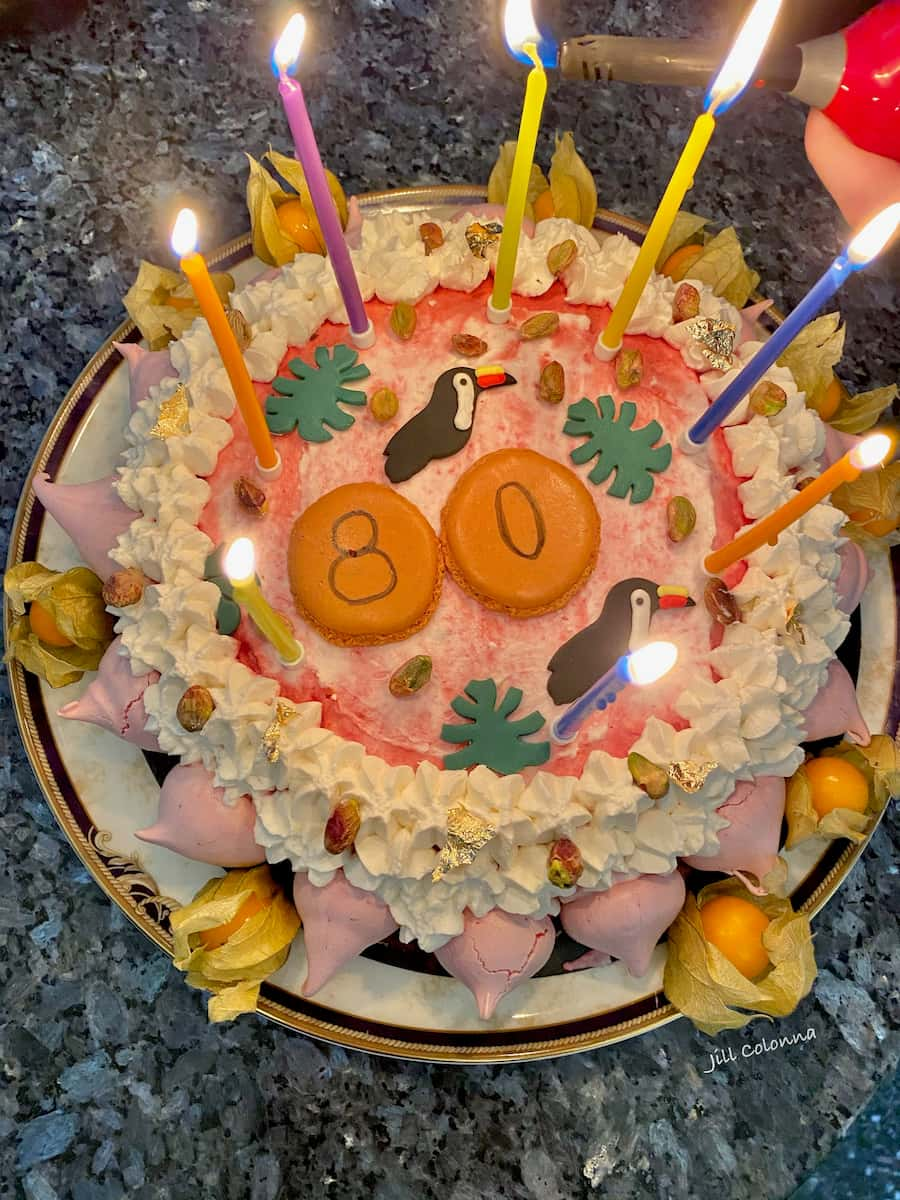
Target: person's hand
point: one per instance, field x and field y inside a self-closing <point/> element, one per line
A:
<point x="861" y="183"/>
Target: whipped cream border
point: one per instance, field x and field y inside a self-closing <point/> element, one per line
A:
<point x="749" y="720"/>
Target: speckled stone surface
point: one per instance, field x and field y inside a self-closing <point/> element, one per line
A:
<point x="113" y="1083"/>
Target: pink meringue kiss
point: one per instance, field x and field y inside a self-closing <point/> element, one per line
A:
<point x="113" y="700"/>
<point x="853" y="578"/>
<point x="339" y="922"/>
<point x="495" y="953"/>
<point x="836" y="445"/>
<point x="626" y="921"/>
<point x="751" y="840"/>
<point x="91" y="514"/>
<point x="195" y="821"/>
<point x="749" y="317"/>
<point x="146" y="369"/>
<point x="835" y="710"/>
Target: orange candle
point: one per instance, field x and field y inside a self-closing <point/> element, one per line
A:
<point x="184" y="242"/>
<point x="871" y="452"/>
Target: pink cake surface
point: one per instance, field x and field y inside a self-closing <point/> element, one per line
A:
<point x="465" y="640"/>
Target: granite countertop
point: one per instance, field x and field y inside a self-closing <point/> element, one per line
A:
<point x="113" y="1081"/>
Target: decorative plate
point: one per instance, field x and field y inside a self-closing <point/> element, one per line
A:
<point x="394" y="999"/>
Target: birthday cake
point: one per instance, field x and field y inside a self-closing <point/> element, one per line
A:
<point x="473" y="525"/>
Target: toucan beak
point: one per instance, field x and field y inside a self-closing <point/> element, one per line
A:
<point x="674" y="597"/>
<point x="489" y="377"/>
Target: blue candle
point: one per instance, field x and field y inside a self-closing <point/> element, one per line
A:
<point x="865" y="247"/>
<point x="642" y="666"/>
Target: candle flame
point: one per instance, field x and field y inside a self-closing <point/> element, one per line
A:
<point x="184" y="233"/>
<point x="519" y="26"/>
<point x="871" y="451"/>
<point x="651" y="662"/>
<point x="287" y="48"/>
<point x="738" y="68"/>
<point x="872" y="238"/>
<point x="240" y="560"/>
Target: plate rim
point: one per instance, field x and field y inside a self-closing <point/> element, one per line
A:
<point x="134" y="891"/>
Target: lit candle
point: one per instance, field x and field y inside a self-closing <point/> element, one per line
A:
<point x="865" y="247"/>
<point x="240" y="567"/>
<point x="870" y="452"/>
<point x="726" y="88"/>
<point x="184" y="244"/>
<point x="642" y="666"/>
<point x="284" y="59"/>
<point x="522" y="37"/>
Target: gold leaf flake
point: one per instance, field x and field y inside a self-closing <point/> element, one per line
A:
<point x="466" y="834"/>
<point x="716" y="341"/>
<point x="481" y="236"/>
<point x="690" y="776"/>
<point x="173" y="419"/>
<point x="272" y="736"/>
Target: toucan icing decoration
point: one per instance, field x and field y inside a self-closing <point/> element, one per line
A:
<point x="623" y="625"/>
<point x="443" y="427"/>
<point x="631" y="453"/>
<point x="310" y="401"/>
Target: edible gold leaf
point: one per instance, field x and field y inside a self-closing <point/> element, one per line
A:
<point x="481" y="236"/>
<point x="271" y="738"/>
<point x="466" y="835"/>
<point x="716" y="340"/>
<point x="701" y="982"/>
<point x="174" y="417"/>
<point x="690" y="776"/>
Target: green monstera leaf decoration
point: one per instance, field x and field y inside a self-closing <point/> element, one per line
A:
<point x="492" y="738"/>
<point x="310" y="401"/>
<point x="631" y="453"/>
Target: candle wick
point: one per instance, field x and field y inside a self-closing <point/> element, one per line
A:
<point x="529" y="49"/>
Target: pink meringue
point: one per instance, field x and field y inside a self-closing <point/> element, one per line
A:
<point x="91" y="514"/>
<point x="835" y="710"/>
<point x="751" y="840"/>
<point x="113" y="700"/>
<point x="749" y="317"/>
<point x="625" y="922"/>
<point x="836" y="445"/>
<point x="195" y="821"/>
<point x="495" y="953"/>
<point x="146" y="369"/>
<point x="854" y="576"/>
<point x="339" y="922"/>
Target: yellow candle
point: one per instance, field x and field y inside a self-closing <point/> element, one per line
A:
<point x="871" y="452"/>
<point x="240" y="567"/>
<point x="681" y="182"/>
<point x="184" y="240"/>
<point x="520" y="33"/>
<point x="726" y="88"/>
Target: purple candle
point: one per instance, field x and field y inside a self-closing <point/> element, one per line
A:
<point x="284" y="57"/>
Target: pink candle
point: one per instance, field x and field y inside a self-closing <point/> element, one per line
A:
<point x="284" y="57"/>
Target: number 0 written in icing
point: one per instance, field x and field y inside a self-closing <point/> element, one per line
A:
<point x="540" y="529"/>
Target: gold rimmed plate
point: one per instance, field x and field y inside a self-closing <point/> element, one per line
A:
<point x="394" y="999"/>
